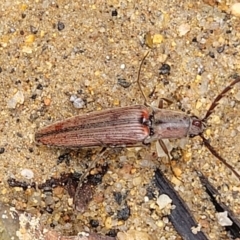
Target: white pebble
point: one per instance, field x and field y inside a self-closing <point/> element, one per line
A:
<point x="235" y="9"/>
<point x="146" y="199"/>
<point x="165" y="220"/>
<point x="163" y="200"/>
<point x="27" y="173"/>
<point x="102" y="30"/>
<point x="233" y="133"/>
<point x="27" y="49"/>
<point x="18" y="97"/>
<point x="196" y="229"/>
<point x="87" y="83"/>
<point x="183" y="29"/>
<point x="77" y="102"/>
<point x="73" y="98"/>
<point x="223" y="219"/>
<point x="122" y="66"/>
<point x="83" y="234"/>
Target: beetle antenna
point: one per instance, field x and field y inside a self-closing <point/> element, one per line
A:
<point x="138" y="78"/>
<point x="216" y="154"/>
<point x="209" y="112"/>
<point x="219" y="97"/>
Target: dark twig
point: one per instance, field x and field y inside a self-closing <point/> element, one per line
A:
<point x="180" y="216"/>
<point x="234" y="229"/>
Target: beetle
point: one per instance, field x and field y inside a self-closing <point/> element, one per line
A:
<point x="130" y="126"/>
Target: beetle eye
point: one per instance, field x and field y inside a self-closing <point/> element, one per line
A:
<point x="197" y="123"/>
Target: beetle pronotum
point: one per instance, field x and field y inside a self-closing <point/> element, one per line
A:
<point x="129" y="126"/>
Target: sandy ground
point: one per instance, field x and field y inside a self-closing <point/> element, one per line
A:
<point x="51" y="51"/>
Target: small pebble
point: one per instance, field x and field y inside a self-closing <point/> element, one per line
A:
<point x="119" y="197"/>
<point x="27" y="173"/>
<point x="163" y="200"/>
<point x="27" y="49"/>
<point x="87" y="82"/>
<point x="123" y="66"/>
<point x="196" y="229"/>
<point x="30" y="38"/>
<point x="233" y="133"/>
<point x="177" y="171"/>
<point x="60" y="26"/>
<point x="2" y="150"/>
<point x="47" y="101"/>
<point x="114" y="13"/>
<point x="124" y="213"/>
<point x="108" y="223"/>
<point x="198" y="104"/>
<point x="157" y="39"/>
<point x="33" y="29"/>
<point x="73" y="98"/>
<point x="137" y="181"/>
<point x="49" y="200"/>
<point x="94" y="223"/>
<point x="165" y="69"/>
<point x="77" y="102"/>
<point x="183" y="29"/>
<point x="18" y="97"/>
<point x="220" y="49"/>
<point x="235" y="9"/>
<point x="223" y="219"/>
<point x="165" y="220"/>
<point x="123" y="82"/>
<point x="216" y="119"/>
<point x="39" y="86"/>
<point x="102" y="30"/>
